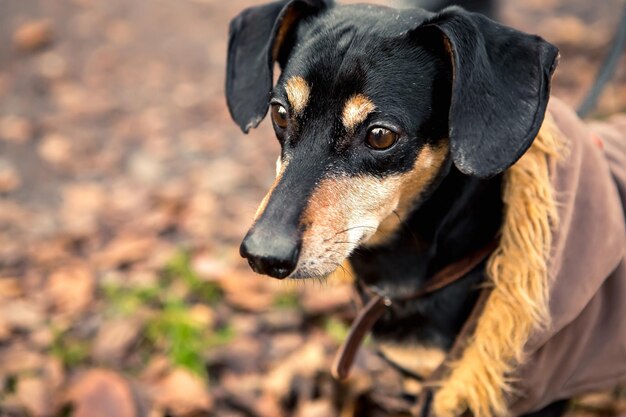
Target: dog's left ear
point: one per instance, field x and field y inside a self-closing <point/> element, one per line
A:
<point x="500" y="89"/>
<point x="260" y="36"/>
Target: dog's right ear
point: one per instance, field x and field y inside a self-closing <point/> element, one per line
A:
<point x="500" y="89"/>
<point x="259" y="37"/>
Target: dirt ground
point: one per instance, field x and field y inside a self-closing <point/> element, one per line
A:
<point x="125" y="190"/>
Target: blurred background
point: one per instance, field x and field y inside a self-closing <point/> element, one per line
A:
<point x="125" y="190"/>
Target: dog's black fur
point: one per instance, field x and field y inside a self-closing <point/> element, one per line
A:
<point x="462" y="215"/>
<point x="488" y="101"/>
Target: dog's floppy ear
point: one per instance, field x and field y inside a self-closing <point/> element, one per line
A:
<point x="260" y="36"/>
<point x="500" y="89"/>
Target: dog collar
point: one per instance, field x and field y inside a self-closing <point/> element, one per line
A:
<point x="378" y="304"/>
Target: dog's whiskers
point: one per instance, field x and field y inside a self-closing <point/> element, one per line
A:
<point x="403" y="224"/>
<point x="347" y="230"/>
<point x="338" y="265"/>
<point x="347" y="272"/>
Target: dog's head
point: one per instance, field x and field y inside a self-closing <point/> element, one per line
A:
<point x="372" y="108"/>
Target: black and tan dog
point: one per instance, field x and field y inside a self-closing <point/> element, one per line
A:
<point x="401" y="135"/>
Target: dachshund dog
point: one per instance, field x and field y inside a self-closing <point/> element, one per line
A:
<point x="399" y="132"/>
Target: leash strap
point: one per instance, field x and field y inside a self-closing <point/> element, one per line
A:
<point x="377" y="305"/>
<point x="361" y="326"/>
<point x="453" y="272"/>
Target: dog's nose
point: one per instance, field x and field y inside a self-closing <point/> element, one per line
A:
<point x="271" y="254"/>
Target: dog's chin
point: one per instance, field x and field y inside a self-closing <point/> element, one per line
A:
<point x="315" y="274"/>
<point x="320" y="261"/>
<point x="317" y="269"/>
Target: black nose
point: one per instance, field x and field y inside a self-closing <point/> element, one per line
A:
<point x="271" y="253"/>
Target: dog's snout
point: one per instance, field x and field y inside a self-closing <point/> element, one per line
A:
<point x="271" y="254"/>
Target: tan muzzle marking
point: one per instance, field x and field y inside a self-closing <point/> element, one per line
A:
<point x="346" y="211"/>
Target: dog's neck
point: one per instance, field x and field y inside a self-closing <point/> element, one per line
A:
<point x="461" y="215"/>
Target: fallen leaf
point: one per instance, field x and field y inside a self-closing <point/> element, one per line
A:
<point x="246" y="292"/>
<point x="202" y="314"/>
<point x="282" y="320"/>
<point x="10" y="288"/>
<point x="82" y="204"/>
<point x="318" y="408"/>
<point x="283" y="344"/>
<point x="208" y="267"/>
<point x="16" y="129"/>
<point x="50" y="252"/>
<point x="33" y="35"/>
<point x="19" y="359"/>
<point x="42" y="337"/>
<point x="9" y="178"/>
<point x="242" y="356"/>
<point x="186" y="95"/>
<point x="143" y="278"/>
<point x="35" y="396"/>
<point x="71" y="288"/>
<point x="182" y="393"/>
<point x="144" y="168"/>
<point x="53" y="373"/>
<point x="199" y="216"/>
<point x="305" y="361"/>
<point x="52" y="65"/>
<point x="22" y="314"/>
<point x="324" y="301"/>
<point x="55" y="149"/>
<point x="158" y="366"/>
<point x="269" y="406"/>
<point x="102" y="393"/>
<point x="5" y="330"/>
<point x="114" y="339"/>
<point x="126" y="249"/>
<point x="3" y="86"/>
<point x="572" y="30"/>
<point x="119" y="31"/>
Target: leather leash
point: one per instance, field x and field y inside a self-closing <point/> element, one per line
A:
<point x="378" y="304"/>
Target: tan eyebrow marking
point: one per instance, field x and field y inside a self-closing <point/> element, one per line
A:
<point x="298" y="92"/>
<point x="356" y="110"/>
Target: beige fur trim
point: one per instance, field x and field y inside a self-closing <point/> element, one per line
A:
<point x="518" y="303"/>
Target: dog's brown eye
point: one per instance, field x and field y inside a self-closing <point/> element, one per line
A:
<point x="380" y="138"/>
<point x="280" y="116"/>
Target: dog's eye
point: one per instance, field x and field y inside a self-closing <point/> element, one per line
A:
<point x="280" y="116"/>
<point x="380" y="138"/>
